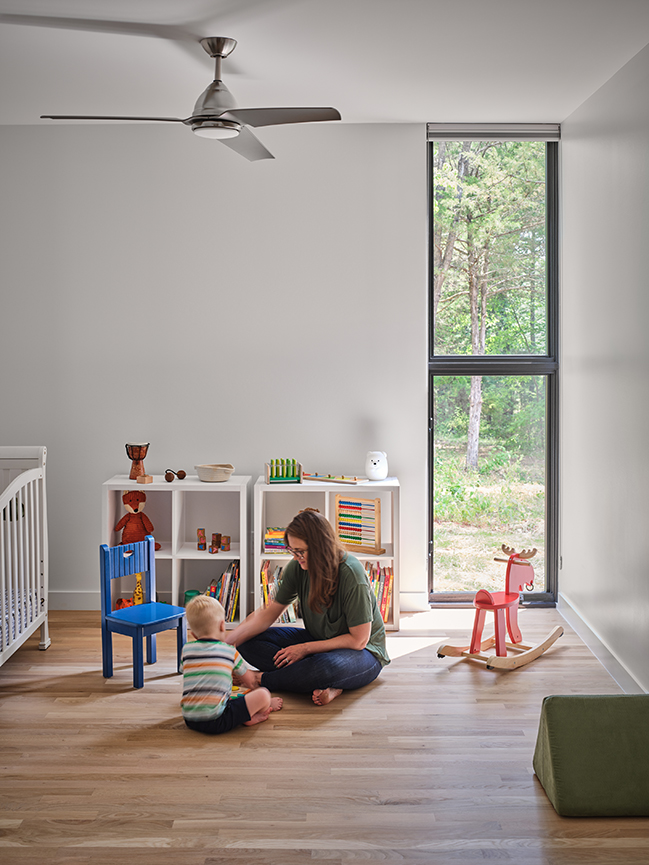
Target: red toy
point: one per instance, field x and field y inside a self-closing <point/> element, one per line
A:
<point x="504" y="606"/>
<point x="135" y="524"/>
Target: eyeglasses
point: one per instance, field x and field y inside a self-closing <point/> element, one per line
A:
<point x="299" y="554"/>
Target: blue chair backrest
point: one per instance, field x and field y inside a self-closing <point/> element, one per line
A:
<point x="123" y="561"/>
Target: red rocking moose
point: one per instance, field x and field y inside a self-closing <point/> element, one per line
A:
<point x="504" y="606"/>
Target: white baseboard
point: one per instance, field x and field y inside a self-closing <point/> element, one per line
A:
<point x="614" y="667"/>
<point x="68" y="600"/>
<point x="414" y="602"/>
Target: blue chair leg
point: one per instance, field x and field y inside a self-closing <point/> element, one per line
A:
<point x="181" y="639"/>
<point x="151" y="649"/>
<point x="107" y="652"/>
<point x="138" y="660"/>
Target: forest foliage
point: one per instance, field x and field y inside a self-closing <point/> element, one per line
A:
<point x="489" y="298"/>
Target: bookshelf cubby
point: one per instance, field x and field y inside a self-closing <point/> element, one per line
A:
<point x="177" y="510"/>
<point x="276" y="504"/>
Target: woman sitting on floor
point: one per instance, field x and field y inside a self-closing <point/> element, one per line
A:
<point x="342" y="644"/>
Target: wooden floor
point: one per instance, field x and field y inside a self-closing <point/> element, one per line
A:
<point x="430" y="764"/>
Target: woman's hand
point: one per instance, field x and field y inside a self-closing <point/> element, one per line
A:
<point x="290" y="655"/>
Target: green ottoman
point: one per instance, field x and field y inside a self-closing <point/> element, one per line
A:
<point x="592" y="754"/>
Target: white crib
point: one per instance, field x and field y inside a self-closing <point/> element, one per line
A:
<point x="23" y="548"/>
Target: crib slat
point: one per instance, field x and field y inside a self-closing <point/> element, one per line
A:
<point x="4" y="600"/>
<point x="30" y="528"/>
<point x="14" y="617"/>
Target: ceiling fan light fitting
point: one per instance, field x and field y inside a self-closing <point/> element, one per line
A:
<point x="216" y="129"/>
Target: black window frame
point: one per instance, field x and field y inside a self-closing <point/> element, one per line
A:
<point x="541" y="365"/>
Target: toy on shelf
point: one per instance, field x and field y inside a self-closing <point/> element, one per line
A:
<point x="137" y="451"/>
<point x="335" y="479"/>
<point x="283" y="471"/>
<point x="376" y="465"/>
<point x="358" y="524"/>
<point x="134" y="525"/>
<point x="201" y="542"/>
<point x="215" y="546"/>
<point x="170" y="475"/>
<point x="504" y="606"/>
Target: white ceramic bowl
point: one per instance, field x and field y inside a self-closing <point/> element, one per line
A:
<point x="214" y="473"/>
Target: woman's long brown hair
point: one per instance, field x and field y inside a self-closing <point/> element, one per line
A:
<point x="325" y="555"/>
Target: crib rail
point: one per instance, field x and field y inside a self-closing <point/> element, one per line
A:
<point x="23" y="561"/>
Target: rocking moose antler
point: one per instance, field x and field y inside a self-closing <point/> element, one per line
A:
<point x="504" y="606"/>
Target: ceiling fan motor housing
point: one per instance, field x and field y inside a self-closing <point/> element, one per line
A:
<point x="211" y="104"/>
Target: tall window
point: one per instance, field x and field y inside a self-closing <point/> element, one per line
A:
<point x="493" y="354"/>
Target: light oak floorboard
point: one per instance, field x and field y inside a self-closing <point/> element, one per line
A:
<point x="432" y="763"/>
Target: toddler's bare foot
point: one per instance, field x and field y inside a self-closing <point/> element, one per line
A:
<point x="258" y="717"/>
<point x="276" y="704"/>
<point x="322" y="697"/>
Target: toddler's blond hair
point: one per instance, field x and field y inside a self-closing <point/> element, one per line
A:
<point x="204" y="614"/>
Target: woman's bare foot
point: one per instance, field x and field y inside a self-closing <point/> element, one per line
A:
<point x="322" y="697"/>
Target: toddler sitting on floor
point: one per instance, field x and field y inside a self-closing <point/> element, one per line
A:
<point x="208" y="664"/>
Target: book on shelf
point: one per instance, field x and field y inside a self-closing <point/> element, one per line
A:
<point x="270" y="582"/>
<point x="274" y="541"/>
<point x="381" y="580"/>
<point x="226" y="590"/>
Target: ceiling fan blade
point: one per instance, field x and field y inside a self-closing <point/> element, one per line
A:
<point x="272" y="116"/>
<point x="248" y="145"/>
<point x="100" y="117"/>
<point x="99" y="25"/>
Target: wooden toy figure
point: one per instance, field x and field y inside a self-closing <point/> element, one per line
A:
<point x="134" y="525"/>
<point x="138" y="593"/>
<point x="504" y="606"/>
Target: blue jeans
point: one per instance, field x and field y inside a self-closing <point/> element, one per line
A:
<point x="347" y="669"/>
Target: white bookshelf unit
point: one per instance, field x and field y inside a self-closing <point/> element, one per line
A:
<point x="177" y="510"/>
<point x="276" y="504"/>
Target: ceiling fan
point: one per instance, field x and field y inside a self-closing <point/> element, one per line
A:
<point x="216" y="115"/>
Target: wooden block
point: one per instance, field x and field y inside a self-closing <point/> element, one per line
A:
<point x="145" y="479"/>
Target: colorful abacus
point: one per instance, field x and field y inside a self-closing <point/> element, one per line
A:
<point x="358" y="524"/>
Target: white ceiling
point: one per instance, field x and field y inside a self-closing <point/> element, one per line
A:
<point x="376" y="61"/>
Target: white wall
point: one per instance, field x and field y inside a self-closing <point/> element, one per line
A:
<point x="158" y="287"/>
<point x="605" y="379"/>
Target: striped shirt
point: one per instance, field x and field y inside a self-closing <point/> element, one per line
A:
<point x="207" y="678"/>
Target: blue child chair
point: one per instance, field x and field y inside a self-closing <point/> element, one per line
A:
<point x="141" y="620"/>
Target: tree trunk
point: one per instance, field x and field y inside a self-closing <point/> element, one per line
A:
<point x="478" y="268"/>
<point x="443" y="250"/>
<point x="475" y="411"/>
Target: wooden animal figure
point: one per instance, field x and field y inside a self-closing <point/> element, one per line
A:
<point x="506" y="602"/>
<point x="138" y="594"/>
<point x="504" y="606"/>
<point x="134" y="525"/>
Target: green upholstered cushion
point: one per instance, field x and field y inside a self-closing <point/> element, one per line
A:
<point x="592" y="754"/>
